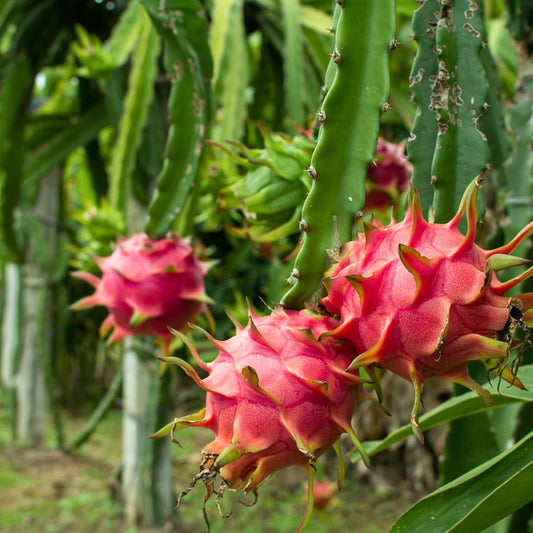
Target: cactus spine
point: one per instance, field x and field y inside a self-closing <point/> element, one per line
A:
<point x="349" y="120"/>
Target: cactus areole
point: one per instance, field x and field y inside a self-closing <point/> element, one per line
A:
<point x="276" y="397"/>
<point x="148" y="286"/>
<point x="422" y="299"/>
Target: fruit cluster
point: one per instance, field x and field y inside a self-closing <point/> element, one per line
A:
<point x="416" y="298"/>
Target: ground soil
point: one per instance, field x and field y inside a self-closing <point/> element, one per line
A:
<point x="52" y="491"/>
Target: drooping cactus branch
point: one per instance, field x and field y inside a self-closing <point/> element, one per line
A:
<point x="182" y="25"/>
<point x="347" y="138"/>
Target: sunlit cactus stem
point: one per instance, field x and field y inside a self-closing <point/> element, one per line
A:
<point x="349" y="120"/>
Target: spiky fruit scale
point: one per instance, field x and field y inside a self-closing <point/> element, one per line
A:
<point x="148" y="287"/>
<point x="422" y="299"/>
<point x="276" y="396"/>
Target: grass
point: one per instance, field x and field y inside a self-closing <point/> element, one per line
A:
<point x="49" y="491"/>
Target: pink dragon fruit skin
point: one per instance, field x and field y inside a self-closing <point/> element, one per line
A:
<point x="276" y="397"/>
<point x="422" y="299"/>
<point x="387" y="177"/>
<point x="148" y="286"/>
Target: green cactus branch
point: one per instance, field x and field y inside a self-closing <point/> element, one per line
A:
<point x="13" y="99"/>
<point x="459" y="98"/>
<point x="182" y="25"/>
<point x="294" y="74"/>
<point x="134" y="117"/>
<point x="421" y="143"/>
<point x="458" y="129"/>
<point x="347" y="139"/>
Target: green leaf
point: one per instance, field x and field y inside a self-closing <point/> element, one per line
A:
<point x="64" y="143"/>
<point x="478" y="433"/>
<point x="125" y="33"/>
<point x="315" y="20"/>
<point x="458" y="407"/>
<point x="231" y="75"/>
<point x="519" y="171"/>
<point x="474" y="432"/>
<point x="502" y="47"/>
<point x="477" y="499"/>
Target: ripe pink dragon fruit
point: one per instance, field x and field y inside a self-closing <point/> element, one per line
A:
<point x="387" y="177"/>
<point x="323" y="493"/>
<point x="148" y="287"/>
<point x="422" y="299"/>
<point x="276" y="397"/>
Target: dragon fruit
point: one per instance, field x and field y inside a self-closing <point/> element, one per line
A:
<point x="387" y="177"/>
<point x="276" y="397"/>
<point x="422" y="300"/>
<point x="148" y="287"/>
<point x="323" y="493"/>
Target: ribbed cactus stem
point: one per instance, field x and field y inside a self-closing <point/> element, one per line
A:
<point x="421" y="143"/>
<point x="188" y="63"/>
<point x="458" y="128"/>
<point x="347" y="138"/>
<point x="459" y="98"/>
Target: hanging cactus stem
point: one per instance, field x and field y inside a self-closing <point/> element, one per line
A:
<point x="357" y="85"/>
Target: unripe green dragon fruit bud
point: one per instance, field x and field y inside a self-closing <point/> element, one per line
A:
<point x="271" y="193"/>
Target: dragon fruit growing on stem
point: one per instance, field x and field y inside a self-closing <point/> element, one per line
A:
<point x="422" y="299"/>
<point x="276" y="397"/>
<point x="148" y="286"/>
<point x="387" y="176"/>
